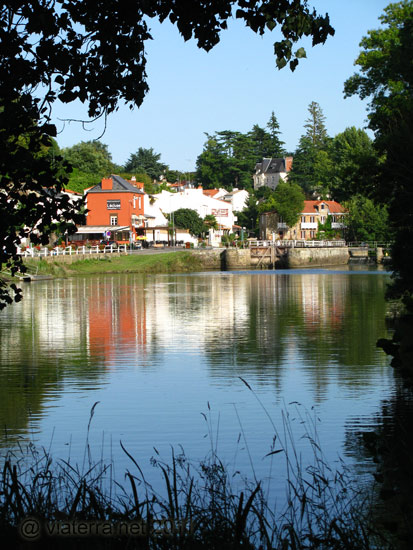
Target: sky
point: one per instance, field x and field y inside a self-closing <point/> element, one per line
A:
<point x="233" y="87"/>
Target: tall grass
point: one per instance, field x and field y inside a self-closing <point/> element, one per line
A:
<point x="324" y="509"/>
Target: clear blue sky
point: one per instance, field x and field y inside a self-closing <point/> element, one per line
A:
<point x="233" y="87"/>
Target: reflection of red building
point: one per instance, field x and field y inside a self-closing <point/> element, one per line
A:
<point x="117" y="315"/>
<point x="116" y="210"/>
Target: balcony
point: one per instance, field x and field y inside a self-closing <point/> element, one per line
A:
<point x="282" y="225"/>
<point x="309" y="225"/>
<point x="338" y="225"/>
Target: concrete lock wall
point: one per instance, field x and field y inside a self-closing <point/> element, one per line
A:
<point x="237" y="258"/>
<point x="211" y="259"/>
<point x="317" y="257"/>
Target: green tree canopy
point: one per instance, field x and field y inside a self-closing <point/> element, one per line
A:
<point x="229" y="158"/>
<point x="186" y="218"/>
<point x="146" y="161"/>
<point x="287" y="200"/>
<point x="367" y="221"/>
<point x="311" y="166"/>
<point x="90" y="157"/>
<point x="386" y="79"/>
<point x="355" y="165"/>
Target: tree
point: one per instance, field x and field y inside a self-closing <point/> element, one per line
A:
<point x="146" y="161"/>
<point x="355" y="165"/>
<point x="311" y="163"/>
<point x="277" y="149"/>
<point x="386" y="79"/>
<point x="367" y="221"/>
<point x="89" y="157"/>
<point x="287" y="200"/>
<point x="186" y="218"/>
<point x="94" y="52"/>
<point x="315" y="124"/>
<point x="249" y="217"/>
<point x="210" y="222"/>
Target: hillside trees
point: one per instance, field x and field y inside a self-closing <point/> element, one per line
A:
<point x="229" y="157"/>
<point x="90" y="161"/>
<point x="147" y="162"/>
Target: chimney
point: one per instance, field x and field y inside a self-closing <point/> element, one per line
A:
<point x="288" y="163"/>
<point x="107" y="184"/>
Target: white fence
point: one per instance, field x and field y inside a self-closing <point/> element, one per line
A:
<point x="70" y="251"/>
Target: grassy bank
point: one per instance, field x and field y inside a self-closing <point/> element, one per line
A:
<point x="167" y="262"/>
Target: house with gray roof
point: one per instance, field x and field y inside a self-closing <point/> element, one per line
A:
<point x="269" y="171"/>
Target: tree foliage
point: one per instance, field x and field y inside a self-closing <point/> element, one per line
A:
<point x="146" y="161"/>
<point x="94" y="52"/>
<point x="354" y="165"/>
<point x="311" y="164"/>
<point x="366" y="220"/>
<point x="287" y="200"/>
<point x="386" y="79"/>
<point x="89" y="157"/>
<point x="186" y="218"/>
<point x="229" y="158"/>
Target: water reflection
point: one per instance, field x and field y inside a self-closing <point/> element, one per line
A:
<point x="157" y="348"/>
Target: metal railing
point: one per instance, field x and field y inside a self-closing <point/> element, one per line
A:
<point x="297" y="244"/>
<point x="69" y="251"/>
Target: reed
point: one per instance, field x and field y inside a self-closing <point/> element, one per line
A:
<point x="198" y="508"/>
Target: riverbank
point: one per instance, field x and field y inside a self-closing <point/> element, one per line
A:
<point x="168" y="262"/>
<point x="183" y="261"/>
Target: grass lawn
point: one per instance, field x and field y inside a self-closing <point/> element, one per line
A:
<point x="167" y="262"/>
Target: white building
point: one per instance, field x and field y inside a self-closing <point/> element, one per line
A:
<point x="205" y="205"/>
<point x="157" y="225"/>
<point x="238" y="199"/>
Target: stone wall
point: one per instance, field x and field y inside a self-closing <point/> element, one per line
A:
<point x="316" y="257"/>
<point x="71" y="258"/>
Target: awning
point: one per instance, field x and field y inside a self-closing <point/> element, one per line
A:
<point x="83" y="229"/>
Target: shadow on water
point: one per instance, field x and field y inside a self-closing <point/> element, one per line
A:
<point x="389" y="444"/>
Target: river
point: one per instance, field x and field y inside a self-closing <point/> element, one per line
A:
<point x="198" y="362"/>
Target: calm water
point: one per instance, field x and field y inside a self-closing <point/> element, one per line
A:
<point x="158" y="351"/>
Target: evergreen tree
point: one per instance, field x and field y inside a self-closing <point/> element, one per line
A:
<point x="146" y="161"/>
<point x="277" y="148"/>
<point x="315" y="125"/>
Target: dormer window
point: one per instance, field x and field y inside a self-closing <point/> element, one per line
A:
<point x="322" y="207"/>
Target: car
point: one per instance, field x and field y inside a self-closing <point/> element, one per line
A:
<point x="108" y="243"/>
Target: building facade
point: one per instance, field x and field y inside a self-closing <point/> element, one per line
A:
<point x="314" y="213"/>
<point x="269" y="171"/>
<point x="115" y="211"/>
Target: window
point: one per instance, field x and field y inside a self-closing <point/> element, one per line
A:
<point x="113" y="205"/>
<point x="322" y="219"/>
<point x="312" y="219"/>
<point x="312" y="234"/>
<point x="302" y="219"/>
<point x="303" y="234"/>
<point x="322" y="207"/>
<point x="113" y="220"/>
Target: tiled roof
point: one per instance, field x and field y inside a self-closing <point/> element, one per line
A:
<point x="210" y="192"/>
<point x="333" y="206"/>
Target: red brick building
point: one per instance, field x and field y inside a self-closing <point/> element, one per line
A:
<point x="115" y="211"/>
